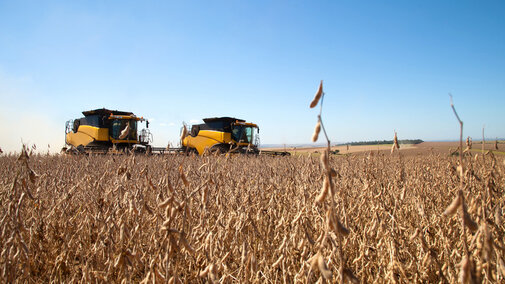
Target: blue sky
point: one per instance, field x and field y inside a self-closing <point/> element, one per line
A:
<point x="386" y="66"/>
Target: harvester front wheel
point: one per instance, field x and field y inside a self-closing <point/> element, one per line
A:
<point x="218" y="149"/>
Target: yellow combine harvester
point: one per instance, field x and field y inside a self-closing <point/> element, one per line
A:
<point x="102" y="130"/>
<point x="113" y="131"/>
<point x="222" y="135"/>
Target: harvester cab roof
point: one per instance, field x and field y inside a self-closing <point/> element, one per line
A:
<point x="113" y="114"/>
<point x="107" y="112"/>
<point x="225" y="123"/>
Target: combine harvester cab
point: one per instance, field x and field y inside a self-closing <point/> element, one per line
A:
<point x="103" y="130"/>
<point x="223" y="135"/>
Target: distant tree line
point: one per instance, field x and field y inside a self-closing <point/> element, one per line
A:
<point x="382" y="142"/>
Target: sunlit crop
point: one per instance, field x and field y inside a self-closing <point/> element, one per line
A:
<point x="249" y="218"/>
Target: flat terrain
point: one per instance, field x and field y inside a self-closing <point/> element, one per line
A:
<point x="240" y="219"/>
<point x="418" y="149"/>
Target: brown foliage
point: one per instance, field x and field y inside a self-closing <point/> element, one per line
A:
<point x="241" y="218"/>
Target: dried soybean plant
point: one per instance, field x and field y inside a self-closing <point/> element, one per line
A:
<point x="333" y="225"/>
<point x="395" y="146"/>
<point x="467" y="266"/>
<point x="468" y="143"/>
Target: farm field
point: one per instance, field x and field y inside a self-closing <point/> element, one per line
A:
<point x="238" y="219"/>
<point x="409" y="149"/>
<point x="341" y="149"/>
